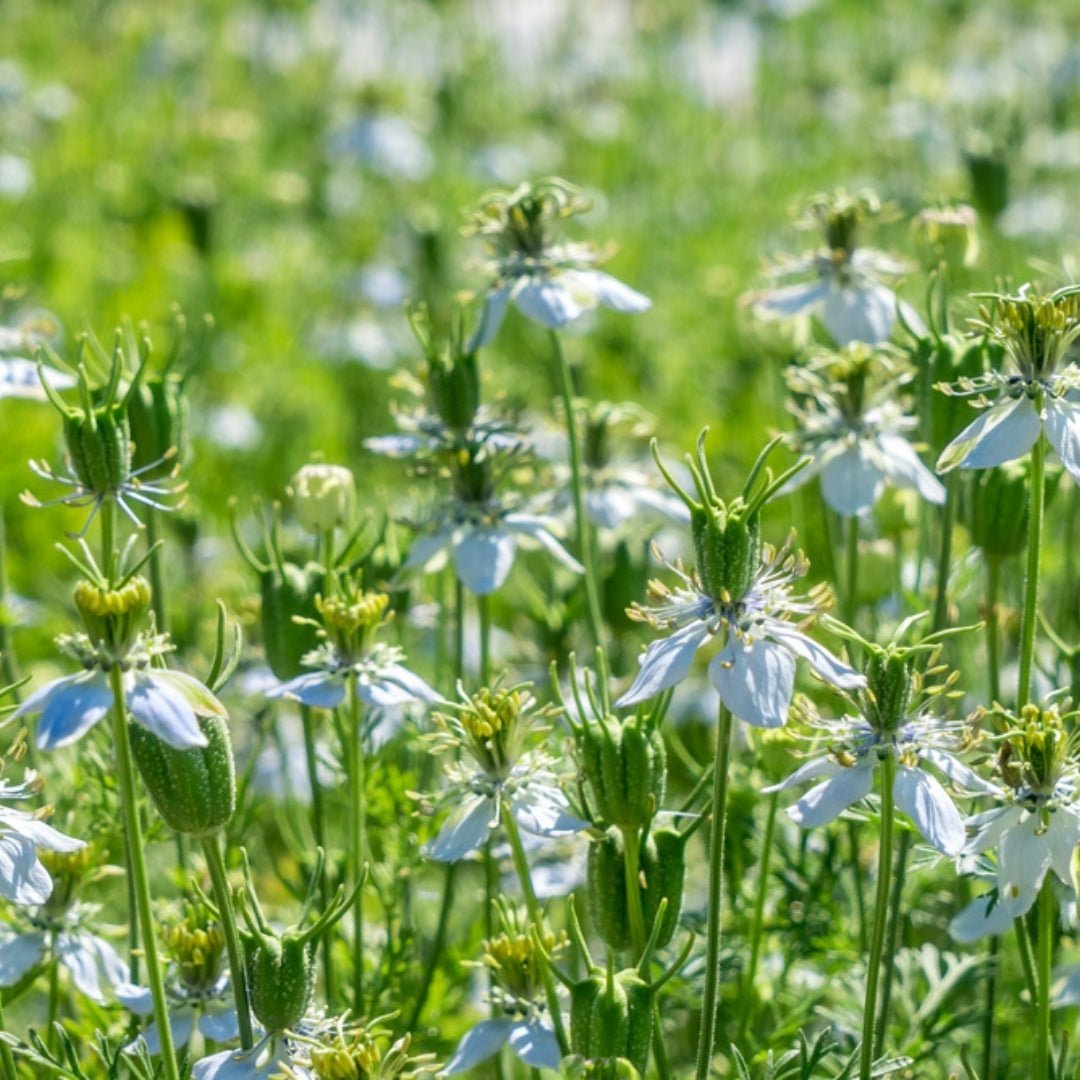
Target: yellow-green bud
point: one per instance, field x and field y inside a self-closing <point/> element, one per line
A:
<point x="947" y="235"/>
<point x="113" y="615"/>
<point x="324" y="497"/>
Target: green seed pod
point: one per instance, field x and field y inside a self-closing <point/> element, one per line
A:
<point x="663" y="866"/>
<point x="611" y="1017"/>
<point x="281" y="979"/>
<point x="989" y="174"/>
<point x="454" y="385"/>
<point x="945" y="360"/>
<point x="194" y="791"/>
<point x="579" y="1068"/>
<point x="998" y="516"/>
<point x="626" y="769"/>
<point x="639" y="1001"/>
<point x="289" y="591"/>
<point x="889" y="689"/>
<point x="606" y="884"/>
<point x="99" y="444"/>
<point x="157" y="416"/>
<point x="728" y="551"/>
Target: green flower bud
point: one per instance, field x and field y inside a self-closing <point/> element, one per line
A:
<point x="998" y="517"/>
<point x="281" y="978"/>
<point x="194" y="791"/>
<point x="988" y="172"/>
<point x="113" y="616"/>
<point x="288" y="592"/>
<point x="625" y="766"/>
<point x="157" y="414"/>
<point x="98" y="442"/>
<point x="196" y="945"/>
<point x="611" y="1017"/>
<point x="324" y="497"/>
<point x="889" y="687"/>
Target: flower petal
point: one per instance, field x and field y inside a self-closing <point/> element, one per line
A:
<point x="537" y="529"/>
<point x="791" y="300"/>
<point x="905" y="468"/>
<point x="464" y="830"/>
<point x="981" y="918"/>
<point x="164" y="711"/>
<point x="425" y="548"/>
<point x="1063" y="430"/>
<point x="18" y="955"/>
<point x="828" y="667"/>
<point x="546" y="301"/>
<point x="221" y="1026"/>
<point x="959" y="773"/>
<point x="483" y="558"/>
<point x="1062" y="835"/>
<point x="828" y="800"/>
<point x="319" y="689"/>
<point x="535" y="1044"/>
<point x="926" y="802"/>
<point x="1002" y="433"/>
<point x="610" y="291"/>
<point x="852" y="481"/>
<point x="859" y="313"/>
<point x="811" y="770"/>
<point x="23" y="880"/>
<point x="399" y="445"/>
<point x="411" y="683"/>
<point x="990" y="826"/>
<point x="491" y="318"/>
<point x="544" y="812"/>
<point x="1024" y="857"/>
<point x="755" y="681"/>
<point x="199" y="697"/>
<point x="69" y="707"/>
<point x="479" y="1043"/>
<point x="666" y="662"/>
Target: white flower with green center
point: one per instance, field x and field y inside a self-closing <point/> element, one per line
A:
<point x="552" y="283"/>
<point x="1042" y="393"/>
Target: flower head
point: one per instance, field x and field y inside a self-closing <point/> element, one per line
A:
<point x="551" y="281"/>
<point x="741" y="590"/>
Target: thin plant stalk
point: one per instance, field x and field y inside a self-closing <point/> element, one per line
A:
<point x="881" y="912"/>
<point x="7" y="1058"/>
<point x="1045" y="964"/>
<point x="521" y="866"/>
<point x="1027" y="959"/>
<point x="581" y="521"/>
<point x="851" y="582"/>
<point x="631" y="863"/>
<point x="707" y="1037"/>
<point x="437" y="944"/>
<point x="484" y="604"/>
<point x="759" y="915"/>
<point x="318" y="826"/>
<point x="219" y="881"/>
<point x="987" y="1070"/>
<point x="857" y="885"/>
<point x="357" y="838"/>
<point x="137" y="867"/>
<point x="993" y="674"/>
<point x="157" y="580"/>
<point x="892" y="936"/>
<point x="9" y="669"/>
<point x="941" y="585"/>
<point x="1031" y="578"/>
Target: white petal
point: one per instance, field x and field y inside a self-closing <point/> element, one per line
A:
<point x="69" y="707"/>
<point x="164" y="711"/>
<point x="610" y="291"/>
<point x="400" y="445"/>
<point x="18" y="954"/>
<point x="319" y="689"/>
<point x="544" y="813"/>
<point x="814" y="769"/>
<point x="609" y="506"/>
<point x="479" y="1043"/>
<point x="464" y="830"/>
<point x="852" y="481"/>
<point x="199" y="697"/>
<point x="959" y="773"/>
<point x="1063" y="430"/>
<point x="904" y="468"/>
<point x="536" y="1045"/>
<point x="979" y="920"/>
<point x="41" y="833"/>
<point x="990" y="826"/>
<point x="926" y="802"/>
<point x="827" y="800"/>
<point x="755" y="682"/>
<point x="136" y="999"/>
<point x="790" y="300"/>
<point x="1024" y="860"/>
<point x="77" y="953"/>
<point x="235" y="1065"/>
<point x="859" y="313"/>
<point x="666" y="662"/>
<point x="1062" y="835"/>
<point x="537" y="529"/>
<point x="425" y="548"/>
<point x="833" y="671"/>
<point x="483" y="558"/>
<point x="1002" y="433"/>
<point x="221" y="1026"/>
<point x="491" y="318"/>
<point x="546" y="301"/>
<point x="413" y="685"/>
<point x="23" y="880"/>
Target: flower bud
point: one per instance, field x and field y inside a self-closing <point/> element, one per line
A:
<point x="196" y="945"/>
<point x="988" y="172"/>
<point x="324" y="497"/>
<point x="113" y="616"/>
<point x="947" y="235"/>
<point x="288" y="592"/>
<point x="999" y="510"/>
<point x="194" y="791"/>
<point x="98" y="442"/>
<point x="611" y="1017"/>
<point x="281" y="978"/>
<point x="157" y="414"/>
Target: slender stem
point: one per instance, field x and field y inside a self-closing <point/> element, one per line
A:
<point x="1031" y="579"/>
<point x="318" y="825"/>
<point x="857" y="880"/>
<point x="459" y="631"/>
<point x="941" y="584"/>
<point x="521" y="865"/>
<point x="157" y="582"/>
<point x="357" y="827"/>
<point x="881" y="911"/>
<point x="484" y="604"/>
<point x="219" y="880"/>
<point x="584" y="547"/>
<point x="1045" y="959"/>
<point x="9" y="669"/>
<point x="759" y="916"/>
<point x="851" y="586"/>
<point x="107" y="517"/>
<point x="631" y="862"/>
<point x="54" y="994"/>
<point x="1027" y="959"/>
<point x="1068" y="592"/>
<point x="987" y="1070"/>
<point x="892" y="935"/>
<point x="137" y="867"/>
<point x="659" y="1049"/>
<point x="7" y="1058"/>
<point x="707" y="1037"/>
<point x="437" y="944"/>
<point x="993" y="644"/>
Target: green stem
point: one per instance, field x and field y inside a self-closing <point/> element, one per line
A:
<point x="857" y="881"/>
<point x="881" y="911"/>
<point x="357" y="828"/>
<point x="631" y="862"/>
<point x="484" y="604"/>
<point x="851" y="587"/>
<point x="584" y="547"/>
<point x="53" y="1012"/>
<point x="157" y="583"/>
<point x="7" y="1058"/>
<point x="318" y="825"/>
<point x="993" y="646"/>
<point x="437" y="944"/>
<point x="459" y="631"/>
<point x="892" y="935"/>
<point x="133" y="831"/>
<point x="521" y="865"/>
<point x="219" y="880"/>
<point x="948" y="512"/>
<point x="1027" y="959"/>
<point x="707" y="1037"/>
<point x="1045" y="957"/>
<point x="1031" y="579"/>
<point x="759" y="916"/>
<point x="988" y="1011"/>
<point x="9" y="669"/>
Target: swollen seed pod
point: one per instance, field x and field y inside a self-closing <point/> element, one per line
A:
<point x="625" y="766"/>
<point x="611" y="1017"/>
<point x="663" y="868"/>
<point x="728" y="551"/>
<point x="157" y="414"/>
<point x="999" y="510"/>
<point x="606" y="890"/>
<point x="288" y="592"/>
<point x="99" y="445"/>
<point x="281" y="978"/>
<point x="194" y="791"/>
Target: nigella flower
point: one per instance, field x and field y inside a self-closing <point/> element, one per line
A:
<point x="552" y="283"/>
<point x="1042" y="395"/>
<point x="264" y="1060"/>
<point x="23" y="879"/>
<point x="741" y="592"/>
<point x="167" y="703"/>
<point x="492" y="728"/>
<point x="846" y="289"/>
<point x="852" y="424"/>
<point x="1038" y="828"/>
<point x="20" y="376"/>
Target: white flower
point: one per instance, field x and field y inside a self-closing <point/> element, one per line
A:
<point x="19" y="378"/>
<point x="23" y="880"/>
<point x="483" y="539"/>
<point x="212" y="1012"/>
<point x="264" y="1060"/>
<point x="754" y="672"/>
<point x="91" y="960"/>
<point x="846" y="775"/>
<point x="529" y="1037"/>
<point x="382" y="681"/>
